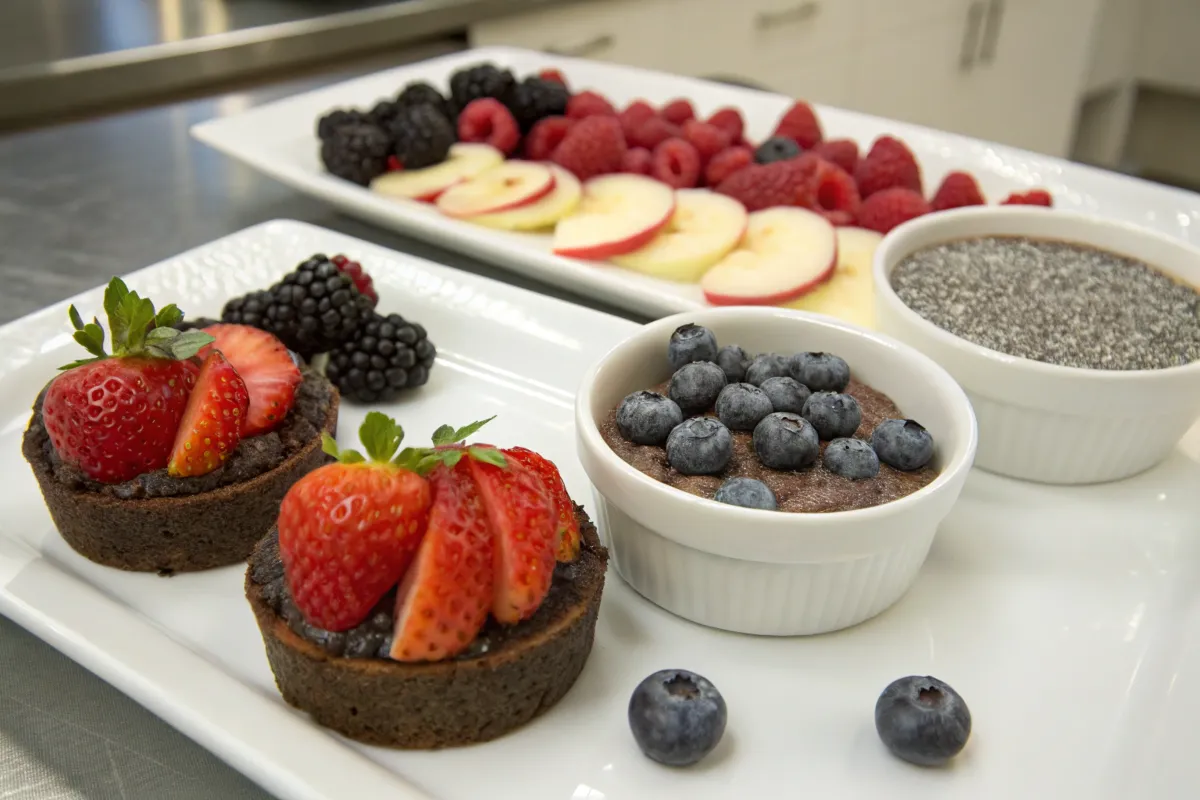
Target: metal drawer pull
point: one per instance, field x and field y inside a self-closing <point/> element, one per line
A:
<point x="799" y="13"/>
<point x="991" y="36"/>
<point x="970" y="42"/>
<point x="584" y="49"/>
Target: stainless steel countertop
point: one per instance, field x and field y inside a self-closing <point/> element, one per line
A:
<point x="78" y="204"/>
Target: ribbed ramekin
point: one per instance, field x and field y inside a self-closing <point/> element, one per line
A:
<point x="768" y="572"/>
<point x="1042" y="422"/>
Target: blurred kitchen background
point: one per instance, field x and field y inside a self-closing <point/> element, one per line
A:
<point x="1108" y="82"/>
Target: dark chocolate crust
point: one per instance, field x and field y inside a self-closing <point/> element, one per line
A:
<point x="445" y="703"/>
<point x="186" y="533"/>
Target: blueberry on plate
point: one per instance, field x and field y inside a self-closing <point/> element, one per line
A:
<point x="694" y="387"/>
<point x="677" y="717"/>
<point x="833" y="415"/>
<point x="734" y="360"/>
<point x="691" y="343"/>
<point x="902" y="443"/>
<point x="787" y="394"/>
<point x="777" y="148"/>
<point x="741" y="406"/>
<point x="922" y="720"/>
<point x="786" y="441"/>
<point x="851" y="458"/>
<point x="766" y="365"/>
<point x="820" y="372"/>
<point x="647" y="417"/>
<point x="699" y="446"/>
<point x="747" y="493"/>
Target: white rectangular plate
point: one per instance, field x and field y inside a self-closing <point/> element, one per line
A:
<point x="279" y="139"/>
<point x="1066" y="617"/>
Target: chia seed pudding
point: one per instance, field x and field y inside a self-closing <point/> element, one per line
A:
<point x="1060" y="303"/>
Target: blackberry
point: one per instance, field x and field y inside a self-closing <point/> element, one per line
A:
<point x="535" y="99"/>
<point x="315" y="308"/>
<point x="357" y="153"/>
<point x="421" y="136"/>
<point x="338" y="118"/>
<point x="249" y="309"/>
<point x="384" y="113"/>
<point x="385" y="357"/>
<point x="482" y="80"/>
<point x="422" y="94"/>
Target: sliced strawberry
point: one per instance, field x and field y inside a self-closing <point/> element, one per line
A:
<point x="567" y="530"/>
<point x="444" y="599"/>
<point x="211" y="426"/>
<point x="266" y="366"/>
<point x="522" y="520"/>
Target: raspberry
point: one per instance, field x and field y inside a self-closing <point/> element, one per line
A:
<point x="958" y="189"/>
<point x="843" y="152"/>
<point x="553" y="75"/>
<point x="634" y="116"/>
<point x="637" y="160"/>
<point x="678" y="111"/>
<point x="835" y="194"/>
<point x="729" y="120"/>
<point x="888" y="208"/>
<point x="727" y="162"/>
<point x="707" y="139"/>
<point x="677" y="164"/>
<point x="780" y="183"/>
<point x="653" y="132"/>
<point x="593" y="146"/>
<point x="888" y="164"/>
<point x="588" y="104"/>
<point x="487" y="120"/>
<point x="545" y="136"/>
<point x="800" y="124"/>
<point x="1034" y="197"/>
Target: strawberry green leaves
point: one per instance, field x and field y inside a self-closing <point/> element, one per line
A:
<point x="445" y="434"/>
<point x="381" y="437"/>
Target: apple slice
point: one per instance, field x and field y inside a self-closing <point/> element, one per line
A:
<point x="705" y="227"/>
<point x="542" y="213"/>
<point x="465" y="160"/>
<point x="785" y="253"/>
<point x="503" y="187"/>
<point x="618" y="214"/>
<point x="850" y="293"/>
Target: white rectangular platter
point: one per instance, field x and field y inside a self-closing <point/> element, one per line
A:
<point x="1068" y="618"/>
<point x="279" y="139"/>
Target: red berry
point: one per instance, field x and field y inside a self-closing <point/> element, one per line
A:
<point x="729" y="120"/>
<point x="266" y="367"/>
<point x="638" y="161"/>
<point x="843" y="152"/>
<point x="888" y="164"/>
<point x="653" y="132"/>
<point x="564" y="509"/>
<point x="677" y="164"/>
<point x="707" y="139"/>
<point x="593" y="146"/>
<point x="958" y="190"/>
<point x="800" y="124"/>
<point x="634" y="116"/>
<point x="589" y="104"/>
<point x="678" y="111"/>
<point x="835" y="194"/>
<point x="393" y="164"/>
<point x="362" y="281"/>
<point x="1034" y="197"/>
<point x="888" y="208"/>
<point x="212" y="422"/>
<point x="546" y="135"/>
<point x="726" y="163"/>
<point x="487" y="120"/>
<point x="780" y="183"/>
<point x="553" y="76"/>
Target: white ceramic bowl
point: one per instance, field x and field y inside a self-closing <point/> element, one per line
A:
<point x="1038" y="421"/>
<point x="770" y="572"/>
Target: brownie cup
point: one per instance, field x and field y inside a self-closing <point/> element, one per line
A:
<point x="508" y="676"/>
<point x="157" y="523"/>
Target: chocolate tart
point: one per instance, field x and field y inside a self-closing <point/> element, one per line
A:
<point x="518" y="673"/>
<point x="190" y="530"/>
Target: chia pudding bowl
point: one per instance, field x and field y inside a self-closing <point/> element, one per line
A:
<point x="1077" y="339"/>
<point x="785" y="572"/>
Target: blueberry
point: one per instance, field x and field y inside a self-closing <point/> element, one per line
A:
<point x="787" y="394"/>
<point x="741" y="406"/>
<point x="746" y="492"/>
<point x="902" y="443"/>
<point x="691" y="343"/>
<point x="694" y="387"/>
<point x="767" y="365"/>
<point x="851" y="458"/>
<point x="786" y="441"/>
<point x="647" y="417"/>
<point x="677" y="717"/>
<point x="699" y="446"/>
<point x="922" y="720"/>
<point x="833" y="415"/>
<point x="734" y="361"/>
<point x="821" y="372"/>
<point x="777" y="148"/>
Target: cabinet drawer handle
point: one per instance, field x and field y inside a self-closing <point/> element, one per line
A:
<point x="583" y="49"/>
<point x="798" y="13"/>
<point x="970" y="42"/>
<point x="991" y="34"/>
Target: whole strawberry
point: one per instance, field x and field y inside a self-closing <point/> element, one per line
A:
<point x="114" y="417"/>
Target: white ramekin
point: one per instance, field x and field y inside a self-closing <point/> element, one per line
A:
<point x="770" y="572"/>
<point x="1037" y="421"/>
